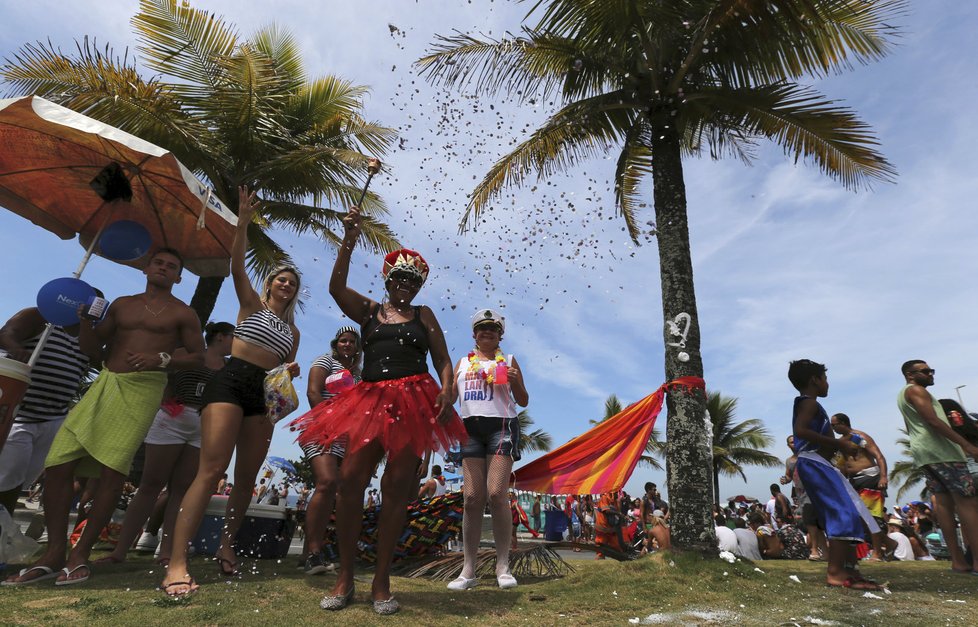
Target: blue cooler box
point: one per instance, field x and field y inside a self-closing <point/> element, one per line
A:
<point x="266" y="532"/>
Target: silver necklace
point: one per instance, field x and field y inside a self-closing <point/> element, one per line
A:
<point x="155" y="313"/>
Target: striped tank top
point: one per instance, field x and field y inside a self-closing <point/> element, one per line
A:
<point x="54" y="379"/>
<point x="266" y="330"/>
<point x="188" y="385"/>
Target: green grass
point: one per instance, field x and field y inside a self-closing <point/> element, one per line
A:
<point x="672" y="587"/>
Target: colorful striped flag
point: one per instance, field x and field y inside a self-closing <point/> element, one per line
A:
<point x="603" y="458"/>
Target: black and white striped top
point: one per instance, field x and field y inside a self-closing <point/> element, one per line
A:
<point x="266" y="330"/>
<point x="188" y="385"/>
<point x="331" y="366"/>
<point x="54" y="379"/>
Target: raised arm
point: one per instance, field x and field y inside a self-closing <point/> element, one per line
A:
<point x="442" y="362"/>
<point x="356" y="306"/>
<point x="248" y="298"/>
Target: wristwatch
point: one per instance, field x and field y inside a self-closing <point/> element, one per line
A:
<point x="164" y="360"/>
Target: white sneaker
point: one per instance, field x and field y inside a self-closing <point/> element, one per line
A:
<point x="147" y="542"/>
<point x="506" y="581"/>
<point x="463" y="584"/>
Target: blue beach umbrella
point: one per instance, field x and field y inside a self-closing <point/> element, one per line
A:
<point x="280" y="463"/>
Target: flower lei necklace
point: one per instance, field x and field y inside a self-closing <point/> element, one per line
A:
<point x="475" y="365"/>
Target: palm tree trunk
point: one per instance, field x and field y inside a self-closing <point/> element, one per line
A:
<point x="716" y="486"/>
<point x="205" y="297"/>
<point x="689" y="454"/>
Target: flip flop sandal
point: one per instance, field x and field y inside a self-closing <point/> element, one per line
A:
<point x="857" y="583"/>
<point x="49" y="573"/>
<point x="191" y="588"/>
<point x="68" y="581"/>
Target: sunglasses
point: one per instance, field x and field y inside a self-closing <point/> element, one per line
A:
<point x="405" y="279"/>
<point x="927" y="371"/>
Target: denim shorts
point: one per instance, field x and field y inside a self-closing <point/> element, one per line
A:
<point x="240" y="383"/>
<point x="491" y="435"/>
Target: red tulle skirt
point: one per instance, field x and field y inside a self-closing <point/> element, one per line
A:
<point x="399" y="414"/>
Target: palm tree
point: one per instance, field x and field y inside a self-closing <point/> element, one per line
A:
<point x="735" y="444"/>
<point x="654" y="448"/>
<point x="234" y="111"/>
<point x="904" y="472"/>
<point x="658" y="81"/>
<point x="537" y="440"/>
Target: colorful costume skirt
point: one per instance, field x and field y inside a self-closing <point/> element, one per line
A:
<point x="399" y="414"/>
<point x="841" y="513"/>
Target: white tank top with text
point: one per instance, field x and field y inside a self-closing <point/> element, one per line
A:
<point x="481" y="399"/>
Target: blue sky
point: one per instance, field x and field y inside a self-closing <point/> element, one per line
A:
<point x="787" y="263"/>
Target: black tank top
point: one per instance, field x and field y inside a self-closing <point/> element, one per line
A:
<point x="393" y="351"/>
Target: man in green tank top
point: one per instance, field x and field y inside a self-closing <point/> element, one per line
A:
<point x="940" y="453"/>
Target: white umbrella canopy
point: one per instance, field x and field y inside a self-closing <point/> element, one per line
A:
<point x="73" y="175"/>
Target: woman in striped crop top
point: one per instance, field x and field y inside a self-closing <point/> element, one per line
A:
<point x="233" y="417"/>
<point x="398" y="410"/>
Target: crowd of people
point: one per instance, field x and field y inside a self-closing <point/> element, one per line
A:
<point x="196" y="397"/>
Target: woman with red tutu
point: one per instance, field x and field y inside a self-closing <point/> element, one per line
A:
<point x="398" y="410"/>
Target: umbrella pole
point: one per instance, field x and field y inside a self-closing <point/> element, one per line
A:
<point x="48" y="328"/>
<point x="89" y="251"/>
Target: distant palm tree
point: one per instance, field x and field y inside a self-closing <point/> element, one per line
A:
<point x="653" y="448"/>
<point x="736" y="444"/>
<point x="904" y="472"/>
<point x="537" y="440"/>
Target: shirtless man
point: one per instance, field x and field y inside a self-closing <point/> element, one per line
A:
<point x="866" y="471"/>
<point x="101" y="434"/>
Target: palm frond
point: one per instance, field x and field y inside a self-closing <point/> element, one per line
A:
<point x="537" y="65"/>
<point x="579" y="131"/>
<point x="321" y="221"/>
<point x="185" y="43"/>
<point x="281" y="46"/>
<point x="651" y="462"/>
<point x="103" y="85"/>
<point x="634" y="165"/>
<point x="759" y="42"/>
<point x="264" y="253"/>
<point x="537" y="440"/>
<point x="807" y="125"/>
<point x="326" y="102"/>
